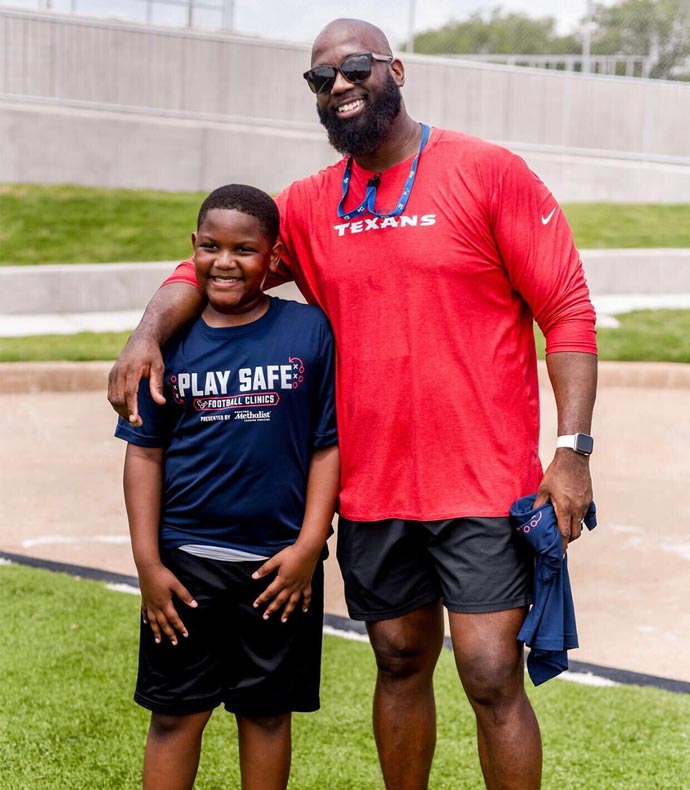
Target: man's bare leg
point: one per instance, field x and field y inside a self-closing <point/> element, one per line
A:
<point x="406" y="649"/>
<point x="491" y="667"/>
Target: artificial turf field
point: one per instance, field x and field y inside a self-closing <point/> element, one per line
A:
<point x="67" y="722"/>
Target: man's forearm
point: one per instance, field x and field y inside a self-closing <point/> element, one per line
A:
<point x="573" y="377"/>
<point x="567" y="482"/>
<point x="170" y="308"/>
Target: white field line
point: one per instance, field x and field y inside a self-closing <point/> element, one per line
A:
<point x="45" y="540"/>
<point x="587" y="679"/>
<point x="351" y="635"/>
<point x="124" y="588"/>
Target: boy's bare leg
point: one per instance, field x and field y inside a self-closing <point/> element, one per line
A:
<point x="490" y="664"/>
<point x="406" y="649"/>
<point x="265" y="746"/>
<point x="172" y="753"/>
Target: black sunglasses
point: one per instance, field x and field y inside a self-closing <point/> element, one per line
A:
<point x="355" y="68"/>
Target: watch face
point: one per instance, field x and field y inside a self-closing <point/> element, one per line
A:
<point x="584" y="443"/>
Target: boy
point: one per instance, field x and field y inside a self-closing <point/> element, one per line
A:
<point x="230" y="490"/>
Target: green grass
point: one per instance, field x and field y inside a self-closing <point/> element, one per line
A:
<point x="81" y="347"/>
<point x="648" y="335"/>
<point x="67" y="721"/>
<point x="620" y="225"/>
<point x="644" y="335"/>
<point x="69" y="224"/>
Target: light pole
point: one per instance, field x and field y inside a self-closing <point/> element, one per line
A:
<point x="410" y="27"/>
<point x="229" y="15"/>
<point x="587" y="39"/>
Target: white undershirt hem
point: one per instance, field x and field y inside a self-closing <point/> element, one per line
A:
<point x="220" y="553"/>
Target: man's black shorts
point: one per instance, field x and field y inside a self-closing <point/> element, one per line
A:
<point x="392" y="567"/>
<point x="232" y="655"/>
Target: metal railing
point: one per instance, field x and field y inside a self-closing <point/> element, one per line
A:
<point x="218" y="14"/>
<point x="611" y="65"/>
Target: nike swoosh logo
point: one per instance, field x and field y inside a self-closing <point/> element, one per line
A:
<point x="546" y="219"/>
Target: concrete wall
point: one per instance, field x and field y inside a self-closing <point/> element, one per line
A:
<point x="119" y="104"/>
<point x="90" y="288"/>
<point x="79" y="288"/>
<point x="45" y="143"/>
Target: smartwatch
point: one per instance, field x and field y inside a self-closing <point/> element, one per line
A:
<point x="580" y="442"/>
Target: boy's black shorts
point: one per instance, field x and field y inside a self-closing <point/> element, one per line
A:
<point x="232" y="656"/>
<point x="473" y="565"/>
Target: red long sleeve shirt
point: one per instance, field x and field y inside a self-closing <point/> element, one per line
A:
<point x="432" y="312"/>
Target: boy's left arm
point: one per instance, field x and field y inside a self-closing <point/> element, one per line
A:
<point x="295" y="564"/>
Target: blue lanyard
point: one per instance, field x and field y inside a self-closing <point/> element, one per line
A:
<point x="370" y="196"/>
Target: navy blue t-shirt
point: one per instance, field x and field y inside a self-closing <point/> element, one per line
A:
<point x="246" y="407"/>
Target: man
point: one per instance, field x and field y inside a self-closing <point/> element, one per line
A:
<point x="430" y="252"/>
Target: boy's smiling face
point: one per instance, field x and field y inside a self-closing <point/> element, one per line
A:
<point x="232" y="257"/>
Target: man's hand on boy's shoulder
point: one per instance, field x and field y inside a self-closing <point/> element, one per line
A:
<point x="170" y="308"/>
<point x="141" y="358"/>
<point x="158" y="585"/>
<point x="294" y="567"/>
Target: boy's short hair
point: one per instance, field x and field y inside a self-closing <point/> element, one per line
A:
<point x="248" y="200"/>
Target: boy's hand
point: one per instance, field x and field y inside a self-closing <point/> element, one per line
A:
<point x="158" y="585"/>
<point x="295" y="567"/>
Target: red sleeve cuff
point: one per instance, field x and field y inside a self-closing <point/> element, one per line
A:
<point x="184" y="273"/>
<point x="575" y="334"/>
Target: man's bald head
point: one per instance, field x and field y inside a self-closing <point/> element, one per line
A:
<point x="355" y="34"/>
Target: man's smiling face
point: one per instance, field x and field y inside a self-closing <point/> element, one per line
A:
<point x="357" y="117"/>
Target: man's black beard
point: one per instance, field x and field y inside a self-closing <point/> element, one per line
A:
<point x="366" y="132"/>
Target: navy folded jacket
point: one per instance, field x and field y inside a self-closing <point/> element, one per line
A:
<point x="549" y="629"/>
